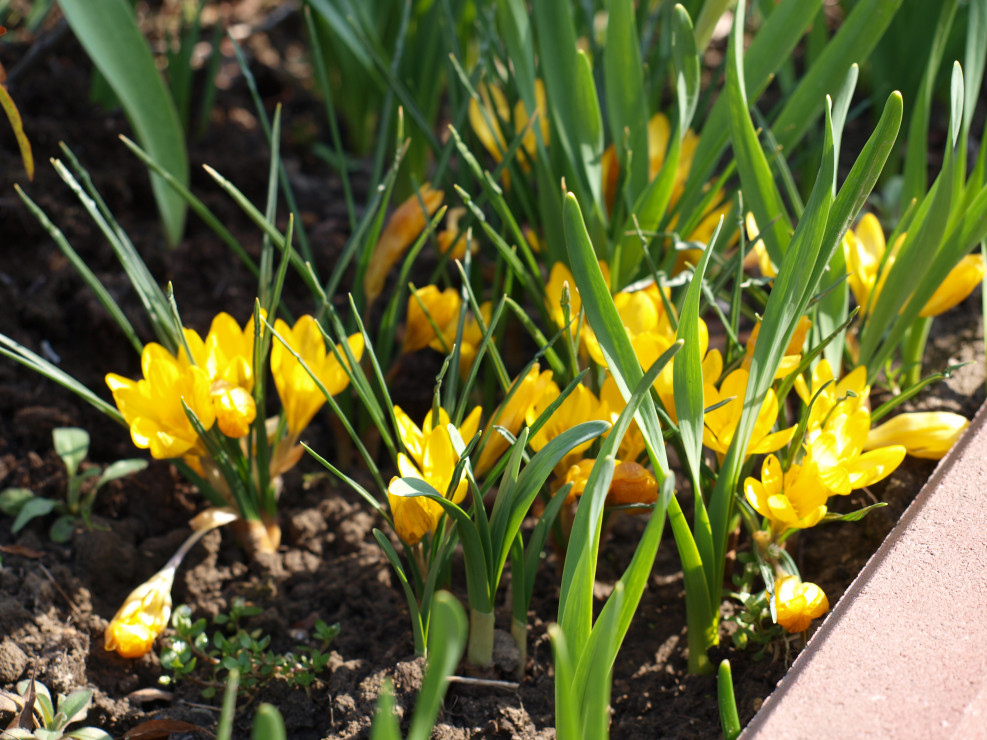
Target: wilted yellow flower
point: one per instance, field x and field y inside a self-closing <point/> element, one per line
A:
<point x="865" y="248"/>
<point x="793" y="352"/>
<point x="300" y="396"/>
<point x="797" y="603"/>
<point x="432" y="459"/>
<point x="403" y="227"/>
<point x="632" y="483"/>
<point x="793" y="498"/>
<point x="721" y="423"/>
<point x="510" y="415"/>
<point x="143" y="616"/>
<point x="579" y="406"/>
<point x="496" y="109"/>
<point x="927" y="434"/>
<point x="443" y="308"/>
<point x="152" y="407"/>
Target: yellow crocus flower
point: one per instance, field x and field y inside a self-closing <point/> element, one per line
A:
<point x="793" y="352"/>
<point x="795" y="498"/>
<point x="643" y="315"/>
<point x="144" y="614"/>
<point x="495" y="110"/>
<point x="926" y="434"/>
<point x="828" y="395"/>
<point x="152" y="407"/>
<point x="959" y="283"/>
<point x="432" y="458"/>
<point x="659" y="135"/>
<point x="579" y="406"/>
<point x="442" y="306"/>
<point x="558" y="277"/>
<point x="721" y="423"/>
<point x="631" y="484"/>
<point x="300" y="396"/>
<point x="510" y="415"/>
<point x="403" y="227"/>
<point x="227" y="356"/>
<point x="864" y="248"/>
<point x="837" y="450"/>
<point x="798" y="603"/>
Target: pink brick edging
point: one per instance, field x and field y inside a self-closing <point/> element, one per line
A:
<point x="904" y="652"/>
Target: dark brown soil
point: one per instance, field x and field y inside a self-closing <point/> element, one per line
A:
<point x="55" y="600"/>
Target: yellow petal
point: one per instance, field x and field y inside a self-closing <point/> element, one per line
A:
<point x="927" y="434"/>
<point x="403" y="227"/>
<point x="959" y="283"/>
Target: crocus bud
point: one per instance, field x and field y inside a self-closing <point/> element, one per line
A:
<point x="797" y="603"/>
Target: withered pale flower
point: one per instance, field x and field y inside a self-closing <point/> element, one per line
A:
<point x="152" y="407"/>
<point x="300" y="396"/>
<point x="798" y="603"/>
<point x="144" y="614"/>
<point x="632" y="483"/>
<point x="403" y="227"/>
<point x="927" y="434"/>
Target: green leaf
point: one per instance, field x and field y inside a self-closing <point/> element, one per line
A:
<point x="12" y="500"/>
<point x="35" y="507"/>
<point x="268" y="724"/>
<point x="108" y="31"/>
<point x="72" y="445"/>
<point x="62" y="528"/>
<point x="385" y="723"/>
<point x="507" y="519"/>
<point x="603" y="317"/>
<point x="760" y="193"/>
<point x="447" y="635"/>
<point x="75" y="706"/>
<point x="853" y="43"/>
<point x="624" y="78"/>
<point x="729" y="719"/>
<point x="853" y="516"/>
